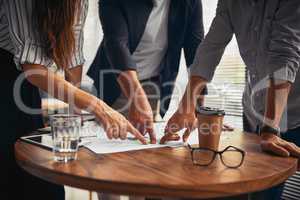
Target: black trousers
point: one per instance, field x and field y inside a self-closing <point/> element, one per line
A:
<point x="16" y="184"/>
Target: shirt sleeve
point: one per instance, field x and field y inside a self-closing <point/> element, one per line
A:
<point x="211" y="50"/>
<point x="78" y="56"/>
<point x="194" y="35"/>
<point x="28" y="49"/>
<point x="195" y="32"/>
<point x="283" y="58"/>
<point x="115" y="35"/>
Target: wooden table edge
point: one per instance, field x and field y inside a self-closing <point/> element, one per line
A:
<point x="150" y="190"/>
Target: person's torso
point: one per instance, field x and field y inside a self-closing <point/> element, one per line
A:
<point x="177" y="24"/>
<point x="17" y="32"/>
<point x="136" y="14"/>
<point x="6" y="41"/>
<point x="154" y="43"/>
<point x="252" y="25"/>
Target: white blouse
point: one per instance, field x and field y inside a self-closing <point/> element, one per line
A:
<point x="17" y="34"/>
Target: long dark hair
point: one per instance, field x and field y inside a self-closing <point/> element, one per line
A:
<point x="55" y="20"/>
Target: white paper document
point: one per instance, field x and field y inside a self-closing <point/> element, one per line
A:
<point x="102" y="145"/>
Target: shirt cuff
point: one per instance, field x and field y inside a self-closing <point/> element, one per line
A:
<point x="78" y="55"/>
<point x="286" y="72"/>
<point x="77" y="60"/>
<point x="203" y="72"/>
<point x="32" y="54"/>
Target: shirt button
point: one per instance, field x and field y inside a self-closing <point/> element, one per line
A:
<point x="256" y="28"/>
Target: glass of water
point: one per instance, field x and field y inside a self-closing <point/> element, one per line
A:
<point x="65" y="135"/>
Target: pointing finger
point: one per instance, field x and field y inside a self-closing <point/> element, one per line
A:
<point x="152" y="135"/>
<point x="136" y="133"/>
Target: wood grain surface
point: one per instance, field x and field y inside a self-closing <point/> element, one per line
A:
<point x="163" y="172"/>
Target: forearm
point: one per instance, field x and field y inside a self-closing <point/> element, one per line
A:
<point x="130" y="84"/>
<point x="59" y="88"/>
<point x="74" y="76"/>
<point x="193" y="94"/>
<point x="276" y="101"/>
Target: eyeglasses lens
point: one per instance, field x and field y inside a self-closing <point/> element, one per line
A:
<point x="203" y="157"/>
<point x="232" y="158"/>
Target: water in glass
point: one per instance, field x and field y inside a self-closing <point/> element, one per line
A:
<point x="65" y="135"/>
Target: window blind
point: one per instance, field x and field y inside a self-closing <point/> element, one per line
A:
<point x="226" y="89"/>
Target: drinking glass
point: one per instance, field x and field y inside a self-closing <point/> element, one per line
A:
<point x="65" y="136"/>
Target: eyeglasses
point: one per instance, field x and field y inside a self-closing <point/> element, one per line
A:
<point x="231" y="157"/>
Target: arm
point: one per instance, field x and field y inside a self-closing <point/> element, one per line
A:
<point x="115" y="124"/>
<point x="283" y="64"/>
<point x="211" y="49"/>
<point x="194" y="33"/>
<point x="74" y="76"/>
<point x="115" y="36"/>
<point x="276" y="101"/>
<point x="194" y="36"/>
<point x="74" y="73"/>
<point x="185" y="116"/>
<point x="119" y="56"/>
<point x="207" y="58"/>
<point x="33" y="61"/>
<point x="140" y="111"/>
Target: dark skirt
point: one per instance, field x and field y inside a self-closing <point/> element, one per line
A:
<point x="16" y="184"/>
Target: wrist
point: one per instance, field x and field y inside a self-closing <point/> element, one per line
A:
<point x="130" y="84"/>
<point x="267" y="129"/>
<point x="186" y="106"/>
<point x="140" y="102"/>
<point x="193" y="94"/>
<point x="265" y="136"/>
<point x="99" y="108"/>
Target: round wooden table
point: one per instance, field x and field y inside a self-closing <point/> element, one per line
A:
<point x="163" y="172"/>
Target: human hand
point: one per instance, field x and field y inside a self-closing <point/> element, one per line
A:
<point x="185" y="115"/>
<point x="274" y="144"/>
<point x="179" y="121"/>
<point x="141" y="116"/>
<point x="115" y="124"/>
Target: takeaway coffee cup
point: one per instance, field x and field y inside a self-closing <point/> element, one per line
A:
<point x="210" y="123"/>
